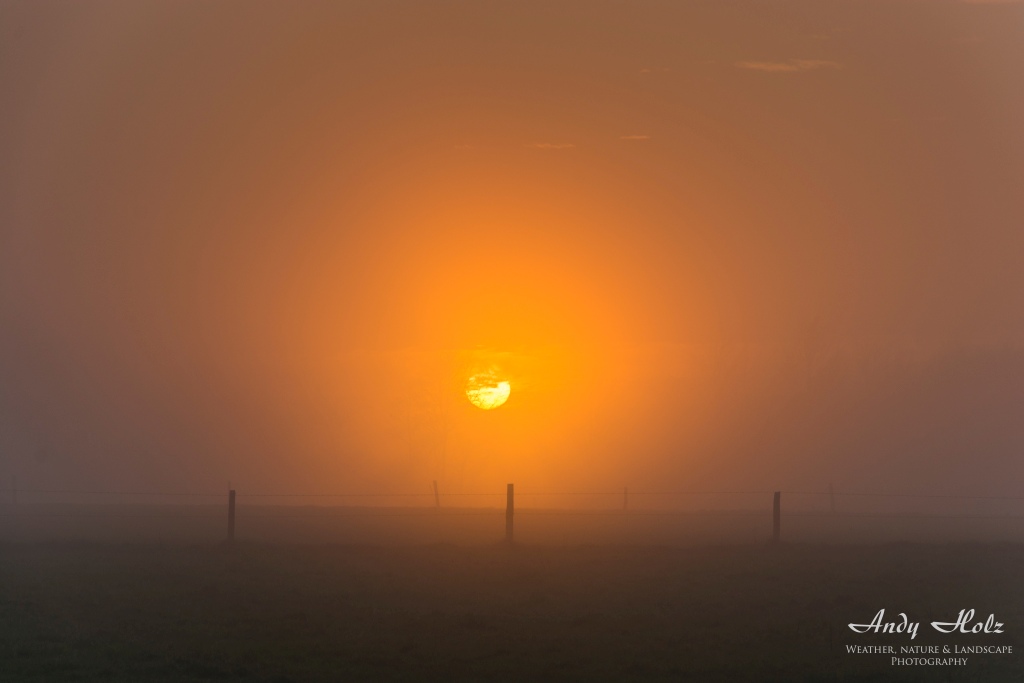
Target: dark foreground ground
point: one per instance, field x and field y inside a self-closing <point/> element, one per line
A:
<point x="442" y="612"/>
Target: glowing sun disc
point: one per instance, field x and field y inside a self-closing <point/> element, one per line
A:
<point x="487" y="392"/>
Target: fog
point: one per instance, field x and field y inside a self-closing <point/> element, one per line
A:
<point x="713" y="245"/>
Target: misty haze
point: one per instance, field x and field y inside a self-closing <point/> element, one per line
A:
<point x="412" y="340"/>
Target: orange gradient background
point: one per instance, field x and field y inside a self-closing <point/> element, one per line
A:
<point x="713" y="244"/>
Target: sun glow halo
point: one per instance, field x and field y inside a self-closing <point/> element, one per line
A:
<point x="487" y="391"/>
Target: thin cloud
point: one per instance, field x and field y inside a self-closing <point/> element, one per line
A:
<point x="634" y="137"/>
<point x="551" y="145"/>
<point x="789" y="66"/>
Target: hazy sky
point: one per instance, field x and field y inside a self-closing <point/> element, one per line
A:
<point x="711" y="243"/>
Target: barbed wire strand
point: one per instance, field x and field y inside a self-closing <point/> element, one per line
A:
<point x="631" y="493"/>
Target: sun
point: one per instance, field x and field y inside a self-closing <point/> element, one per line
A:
<point x="487" y="390"/>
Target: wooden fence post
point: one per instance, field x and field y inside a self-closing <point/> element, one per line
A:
<point x="832" y="497"/>
<point x="437" y="497"/>
<point x="777" y="517"/>
<point x="509" y="509"/>
<point x="625" y="498"/>
<point x="14" y="489"/>
<point x="231" y="516"/>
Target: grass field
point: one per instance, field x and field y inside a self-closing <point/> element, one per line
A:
<point x="279" y="612"/>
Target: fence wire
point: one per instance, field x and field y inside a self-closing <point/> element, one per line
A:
<point x="625" y="503"/>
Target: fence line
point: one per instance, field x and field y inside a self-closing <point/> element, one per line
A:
<point x="902" y="495"/>
<point x="456" y="512"/>
<point x="617" y="493"/>
<point x="261" y="505"/>
<point x="72" y="492"/>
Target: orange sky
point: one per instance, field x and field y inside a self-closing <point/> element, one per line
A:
<point x="711" y="242"/>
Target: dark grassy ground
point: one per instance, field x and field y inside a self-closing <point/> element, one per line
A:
<point x="347" y="613"/>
